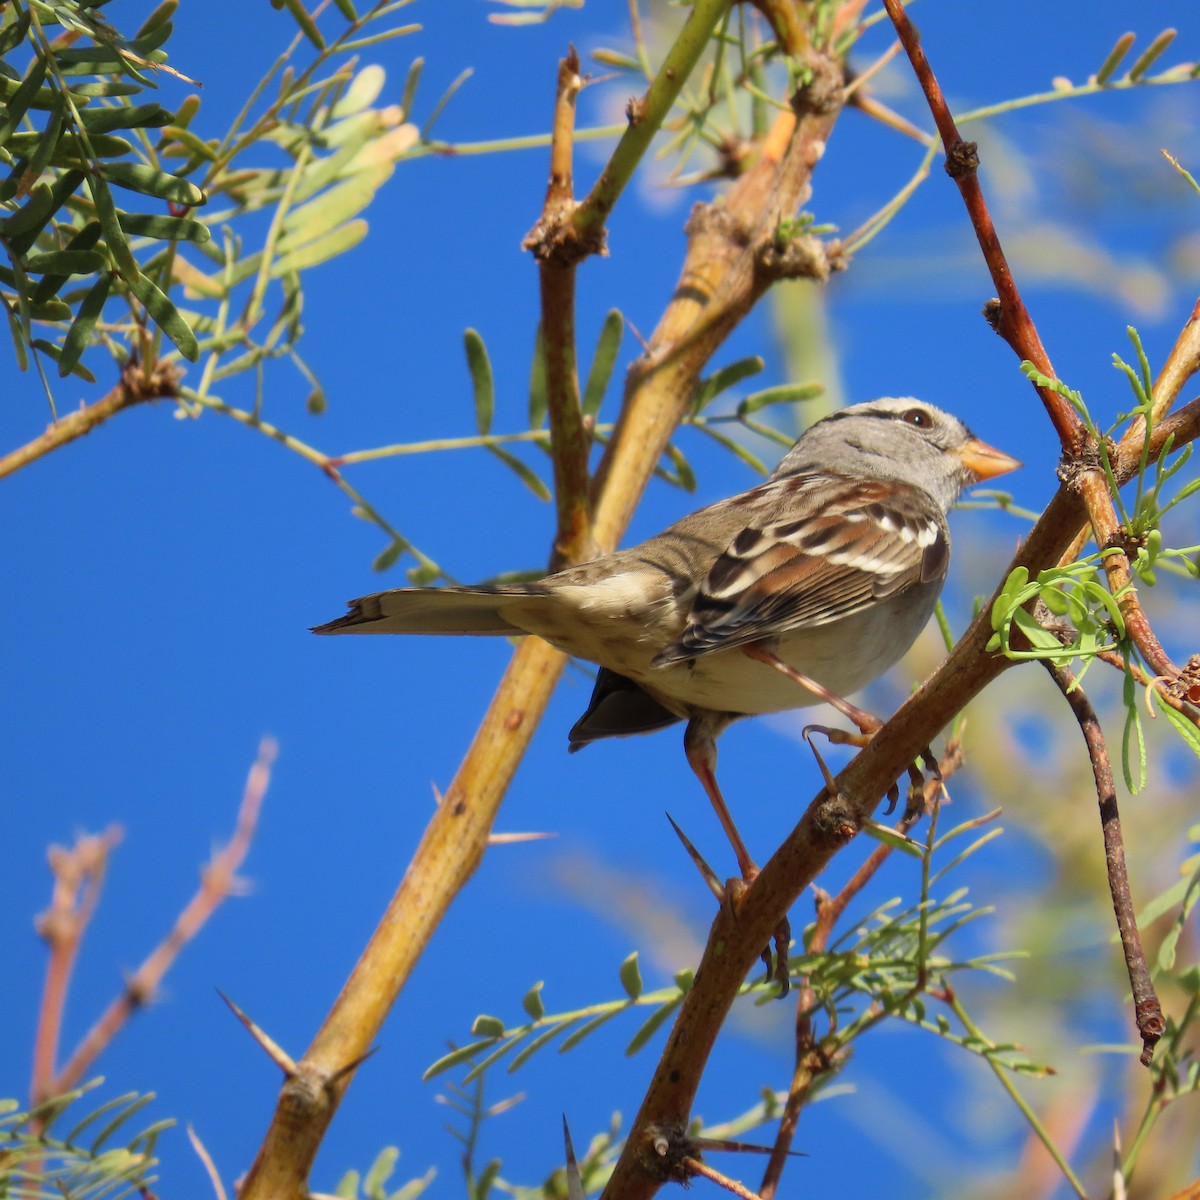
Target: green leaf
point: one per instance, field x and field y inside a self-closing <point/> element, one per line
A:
<point x="18" y="104"/>
<point x="723" y="379"/>
<point x="1150" y="55"/>
<point x="387" y="557"/>
<point x="631" y="977"/>
<point x="380" y="1172"/>
<point x="66" y="262"/>
<point x="1133" y="749"/>
<point x="535" y="1044"/>
<point x="487" y="1177"/>
<point x="305" y="21"/>
<point x="14" y="33"/>
<point x="166" y="316"/>
<point x="52" y="351"/>
<point x="447" y="95"/>
<point x="788" y="393"/>
<point x="683" y="475"/>
<point x="81" y="333"/>
<point x="159" y="17"/>
<point x="651" y="1027"/>
<point x="455" y="1058"/>
<point x="333" y="206"/>
<point x="410" y="86"/>
<point x="1113" y="60"/>
<point x="587" y="1029"/>
<point x="889" y="837"/>
<point x="751" y="460"/>
<point x="527" y="475"/>
<point x="482" y="384"/>
<point x="487" y="1026"/>
<point x="136" y="177"/>
<point x="363" y="91"/>
<point x="608" y="346"/>
<point x="311" y="254"/>
<point x="532" y="1003"/>
<point x="82" y="240"/>
<point x="165" y="229"/>
<point x="125" y="116"/>
<point x="1185" y="728"/>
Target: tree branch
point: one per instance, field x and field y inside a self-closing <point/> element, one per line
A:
<point x="135" y="387"/>
<point x="1013" y="321"/>
<point x="1148" y="1011"/>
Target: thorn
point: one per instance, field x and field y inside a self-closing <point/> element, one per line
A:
<point x="806" y="733"/>
<point x="274" y="1052"/>
<point x="703" y="1143"/>
<point x="350" y="1067"/>
<point x="512" y="839"/>
<point x="574" y="1178"/>
<point x="706" y="872"/>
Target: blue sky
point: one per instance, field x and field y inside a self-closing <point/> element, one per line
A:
<point x="161" y="575"/>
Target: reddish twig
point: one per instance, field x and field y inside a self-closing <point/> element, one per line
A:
<point x="1147" y="1010"/>
<point x="78" y="877"/>
<point x="1013" y="321"/>
<point x="218" y="881"/>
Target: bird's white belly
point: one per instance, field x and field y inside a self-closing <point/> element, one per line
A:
<point x="618" y="630"/>
<point x="730" y="681"/>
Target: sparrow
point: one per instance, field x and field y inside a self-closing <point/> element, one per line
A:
<point x="801" y="590"/>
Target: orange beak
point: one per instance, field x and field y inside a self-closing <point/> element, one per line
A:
<point x="986" y="462"/>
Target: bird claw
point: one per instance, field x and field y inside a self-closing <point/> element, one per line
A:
<point x="776" y="963"/>
<point x="915" y="805"/>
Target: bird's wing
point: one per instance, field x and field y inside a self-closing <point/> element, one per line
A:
<point x="814" y="552"/>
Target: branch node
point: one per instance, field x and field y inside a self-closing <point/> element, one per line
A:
<point x="669" y="1148"/>
<point x="802" y="257"/>
<point x="962" y="160"/>
<point x="835" y="822"/>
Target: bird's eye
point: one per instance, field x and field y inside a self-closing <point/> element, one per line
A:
<point x="918" y="418"/>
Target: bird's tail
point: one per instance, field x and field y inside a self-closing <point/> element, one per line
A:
<point x="461" y="610"/>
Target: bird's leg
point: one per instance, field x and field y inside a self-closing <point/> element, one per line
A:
<point x="700" y="746"/>
<point x="868" y="725"/>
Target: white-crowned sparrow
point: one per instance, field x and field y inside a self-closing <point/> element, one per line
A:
<point x="826" y="573"/>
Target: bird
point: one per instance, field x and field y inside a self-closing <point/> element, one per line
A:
<point x="800" y="590"/>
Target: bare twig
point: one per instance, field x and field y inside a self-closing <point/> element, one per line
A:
<point x="218" y="882"/>
<point x="135" y="387"/>
<point x="570" y="440"/>
<point x="78" y="877"/>
<point x="1013" y="322"/>
<point x="1147" y="1010"/>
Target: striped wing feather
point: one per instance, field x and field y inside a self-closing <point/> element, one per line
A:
<point x="799" y="566"/>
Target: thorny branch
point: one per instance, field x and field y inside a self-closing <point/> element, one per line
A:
<point x="1147" y="1009"/>
<point x="812" y="1060"/>
<point x="1012" y="321"/>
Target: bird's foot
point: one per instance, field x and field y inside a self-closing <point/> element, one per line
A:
<point x="915" y="804"/>
<point x="775" y="962"/>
